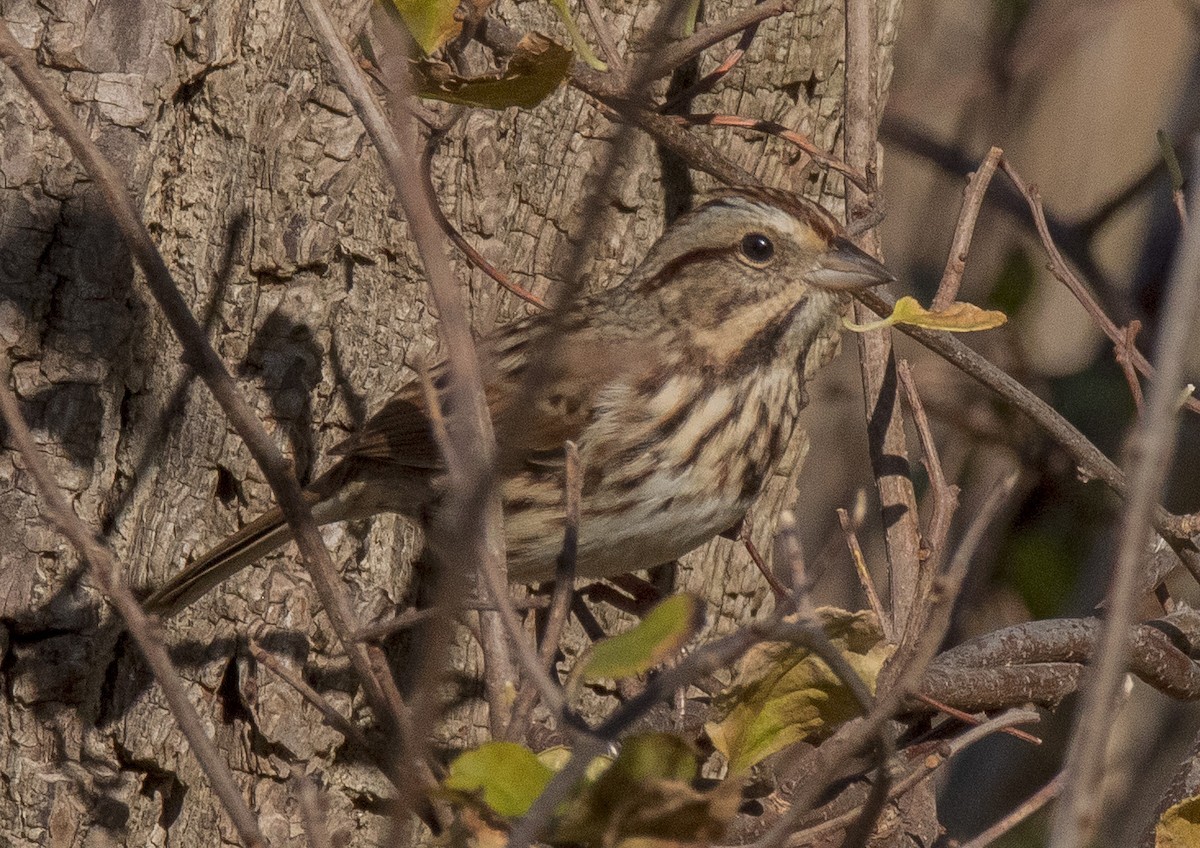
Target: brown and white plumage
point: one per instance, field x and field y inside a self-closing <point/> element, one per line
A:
<point x="681" y="387"/>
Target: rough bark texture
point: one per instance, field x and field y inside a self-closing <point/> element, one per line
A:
<point x="268" y="204"/>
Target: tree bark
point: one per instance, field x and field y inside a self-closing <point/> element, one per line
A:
<point x="267" y="202"/>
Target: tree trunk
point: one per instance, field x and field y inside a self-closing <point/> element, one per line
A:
<point x="268" y="203"/>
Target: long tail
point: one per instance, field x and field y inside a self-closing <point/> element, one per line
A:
<point x="345" y="491"/>
<point x="242" y="549"/>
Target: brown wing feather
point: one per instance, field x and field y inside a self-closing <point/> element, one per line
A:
<point x="399" y="434"/>
<point x="561" y="408"/>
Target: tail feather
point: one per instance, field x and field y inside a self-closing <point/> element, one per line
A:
<point x="242" y="549"/>
<point x="348" y="490"/>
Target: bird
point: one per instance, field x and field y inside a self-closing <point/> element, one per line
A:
<point x="680" y="385"/>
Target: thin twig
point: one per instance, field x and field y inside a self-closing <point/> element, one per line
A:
<point x="473" y="256"/>
<point x="312" y="812"/>
<point x="864" y="574"/>
<point x="886" y="439"/>
<point x="967" y="718"/>
<point x="1019" y="813"/>
<point x="670" y="58"/>
<point x="779" y="131"/>
<point x="103" y="568"/>
<point x="563" y="594"/>
<point x="781" y="592"/>
<point x="1000" y="724"/>
<point x="564" y="572"/>
<point x="1151" y="449"/>
<point x="404" y="621"/>
<point x="956" y="262"/>
<point x="709" y="80"/>
<point x="1092" y="463"/>
<point x="1063" y="273"/>
<point x="332" y="717"/>
<point x="1124" y="352"/>
<point x="944" y="494"/>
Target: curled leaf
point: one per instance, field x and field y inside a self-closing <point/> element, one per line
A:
<point x="533" y="72"/>
<point x="1179" y="826"/>
<point x="782" y="693"/>
<point x="958" y="317"/>
<point x="663" y="631"/>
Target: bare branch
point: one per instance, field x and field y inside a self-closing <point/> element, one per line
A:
<point x="1092" y="463"/>
<point x="313" y="812"/>
<point x="1151" y="449"/>
<point x="1041" y="661"/>
<point x="864" y="575"/>
<point x="956" y="262"/>
<point x="945" y="494"/>
<point x="1063" y="273"/>
<point x="885" y="426"/>
<point x="672" y="57"/>
<point x="779" y="131"/>
<point x="332" y="717"/>
<point x="1019" y="813"/>
<point x="198" y="353"/>
<point x="563" y="595"/>
<point x="813" y="834"/>
<point x="103" y="568"/>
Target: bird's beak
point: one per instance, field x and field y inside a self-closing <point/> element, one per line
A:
<point x="845" y="267"/>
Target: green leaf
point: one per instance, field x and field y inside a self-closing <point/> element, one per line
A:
<point x="663" y="632"/>
<point x="646" y="799"/>
<point x="1179" y="826"/>
<point x="532" y="74"/>
<point x="956" y="318"/>
<point x="783" y="694"/>
<point x="431" y="23"/>
<point x="509" y="777"/>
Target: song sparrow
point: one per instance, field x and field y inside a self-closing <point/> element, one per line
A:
<point x="681" y="387"/>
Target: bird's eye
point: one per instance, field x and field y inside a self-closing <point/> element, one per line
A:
<point x="757" y="248"/>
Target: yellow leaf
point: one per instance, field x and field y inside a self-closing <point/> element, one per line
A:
<point x="782" y="693"/>
<point x="431" y="23"/>
<point x="1179" y="826"/>
<point x="533" y="73"/>
<point x="958" y="317"/>
<point x="509" y="777"/>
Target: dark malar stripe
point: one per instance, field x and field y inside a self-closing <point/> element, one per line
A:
<point x="763" y="346"/>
